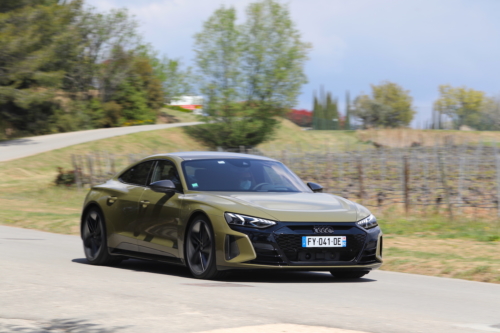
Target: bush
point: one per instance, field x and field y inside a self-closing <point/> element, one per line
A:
<point x="65" y="177"/>
<point x="234" y="132"/>
<point x="302" y="118"/>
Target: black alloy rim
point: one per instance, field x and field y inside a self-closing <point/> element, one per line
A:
<point x="199" y="247"/>
<point x="92" y="235"/>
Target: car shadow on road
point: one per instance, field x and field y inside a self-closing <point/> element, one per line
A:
<point x="55" y="325"/>
<point x="237" y="276"/>
<point x="17" y="142"/>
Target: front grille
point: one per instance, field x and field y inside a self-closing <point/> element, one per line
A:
<point x="291" y="245"/>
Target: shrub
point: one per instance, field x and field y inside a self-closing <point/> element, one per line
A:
<point x="300" y="117"/>
<point x="65" y="177"/>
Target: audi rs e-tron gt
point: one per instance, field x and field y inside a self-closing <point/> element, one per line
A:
<point x="215" y="212"/>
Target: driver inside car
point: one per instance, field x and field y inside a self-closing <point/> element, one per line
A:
<point x="245" y="180"/>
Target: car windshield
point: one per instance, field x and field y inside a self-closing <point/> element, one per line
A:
<point x="241" y="175"/>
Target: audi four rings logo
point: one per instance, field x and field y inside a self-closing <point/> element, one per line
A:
<point x="323" y="230"/>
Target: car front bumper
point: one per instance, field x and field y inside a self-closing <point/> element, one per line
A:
<point x="280" y="247"/>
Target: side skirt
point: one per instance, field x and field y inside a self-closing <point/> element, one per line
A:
<point x="145" y="256"/>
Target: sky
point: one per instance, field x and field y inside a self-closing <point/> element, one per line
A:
<point x="418" y="44"/>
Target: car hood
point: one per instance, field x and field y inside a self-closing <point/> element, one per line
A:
<point x="298" y="207"/>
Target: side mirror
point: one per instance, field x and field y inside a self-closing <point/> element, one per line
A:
<point x="163" y="186"/>
<point x="316" y="188"/>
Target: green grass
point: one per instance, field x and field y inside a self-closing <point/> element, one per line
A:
<point x="439" y="226"/>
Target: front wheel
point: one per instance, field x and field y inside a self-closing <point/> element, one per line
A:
<point x="94" y="239"/>
<point x="348" y="274"/>
<point x="200" y="250"/>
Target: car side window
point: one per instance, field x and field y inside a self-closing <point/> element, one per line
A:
<point x="138" y="174"/>
<point x="166" y="170"/>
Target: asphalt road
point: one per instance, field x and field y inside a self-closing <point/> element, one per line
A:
<point x="13" y="149"/>
<point x="47" y="286"/>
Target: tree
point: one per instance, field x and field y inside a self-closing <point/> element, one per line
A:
<point x="347" y="121"/>
<point x="389" y="106"/>
<point x="490" y="115"/>
<point x="176" y="80"/>
<point x="462" y="105"/>
<point x="35" y="42"/>
<point x="150" y="83"/>
<point x="331" y="112"/>
<point x="64" y="67"/>
<point x="273" y="56"/>
<point x="316" y="113"/>
<point x="325" y="112"/>
<point x="250" y="73"/>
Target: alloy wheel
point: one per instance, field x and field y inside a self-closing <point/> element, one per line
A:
<point x="199" y="247"/>
<point x="92" y="235"/>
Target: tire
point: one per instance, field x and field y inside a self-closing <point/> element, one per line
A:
<point x="94" y="239"/>
<point x="200" y="250"/>
<point x="349" y="274"/>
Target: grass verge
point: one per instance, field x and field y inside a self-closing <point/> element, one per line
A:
<point x="455" y="258"/>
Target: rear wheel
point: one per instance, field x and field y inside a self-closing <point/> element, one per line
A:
<point x="94" y="239"/>
<point x="200" y="250"/>
<point x="348" y="274"/>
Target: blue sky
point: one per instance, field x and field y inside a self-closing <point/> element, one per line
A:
<point x="418" y="44"/>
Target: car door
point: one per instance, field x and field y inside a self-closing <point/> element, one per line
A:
<point x="126" y="206"/>
<point x="160" y="215"/>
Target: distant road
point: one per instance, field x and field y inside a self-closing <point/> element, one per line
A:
<point x="10" y="150"/>
<point x="46" y="286"/>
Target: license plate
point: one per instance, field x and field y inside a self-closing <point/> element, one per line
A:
<point x="324" y="241"/>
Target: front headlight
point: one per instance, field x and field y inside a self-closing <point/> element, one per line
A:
<point x="247" y="221"/>
<point x="368" y="222"/>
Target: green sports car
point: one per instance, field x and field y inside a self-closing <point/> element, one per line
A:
<point x="214" y="212"/>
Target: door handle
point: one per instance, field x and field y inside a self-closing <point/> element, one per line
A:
<point x="112" y="200"/>
<point x="144" y="203"/>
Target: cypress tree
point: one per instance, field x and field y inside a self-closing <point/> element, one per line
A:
<point x="332" y="113"/>
<point x="328" y="111"/>
<point x="347" y="121"/>
<point x="315" y="112"/>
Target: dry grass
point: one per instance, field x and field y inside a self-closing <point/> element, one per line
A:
<point x="292" y="137"/>
<point x="454" y="258"/>
<point x="405" y="137"/>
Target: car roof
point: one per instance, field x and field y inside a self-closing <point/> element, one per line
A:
<point x="206" y="155"/>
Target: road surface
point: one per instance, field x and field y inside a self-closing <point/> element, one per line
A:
<point x="47" y="286"/>
<point x="13" y="149"/>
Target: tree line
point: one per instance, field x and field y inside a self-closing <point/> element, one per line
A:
<point x="390" y="106"/>
<point x="65" y="66"/>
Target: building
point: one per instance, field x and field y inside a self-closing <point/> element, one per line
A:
<point x="194" y="103"/>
